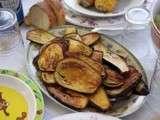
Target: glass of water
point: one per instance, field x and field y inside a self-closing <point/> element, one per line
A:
<point x="12" y="52"/>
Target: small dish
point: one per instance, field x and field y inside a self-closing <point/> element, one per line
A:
<point x="85" y="116"/>
<point x="19" y="84"/>
<point x="122" y="7"/>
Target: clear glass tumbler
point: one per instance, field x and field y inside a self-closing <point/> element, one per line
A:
<point x="12" y="52"/>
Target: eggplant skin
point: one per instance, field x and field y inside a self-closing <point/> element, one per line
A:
<point x="50" y="55"/>
<point x="40" y="36"/>
<point x="114" y="79"/>
<point x="77" y="75"/>
<point x="100" y="99"/>
<point x="141" y="89"/>
<point x="68" y="97"/>
<point x="134" y="77"/>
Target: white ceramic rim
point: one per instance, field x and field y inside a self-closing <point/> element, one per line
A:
<point x="31" y="114"/>
<point x="106" y="117"/>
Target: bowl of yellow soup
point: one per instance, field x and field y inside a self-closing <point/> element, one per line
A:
<point x="17" y="101"/>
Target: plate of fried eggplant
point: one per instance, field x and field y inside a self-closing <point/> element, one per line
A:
<point x="86" y="71"/>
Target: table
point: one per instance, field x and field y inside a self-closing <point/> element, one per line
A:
<point x="145" y="113"/>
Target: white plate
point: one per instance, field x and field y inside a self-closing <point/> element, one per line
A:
<point x="122" y="7"/>
<point x="120" y="109"/>
<point x="24" y="90"/>
<point x="87" y="22"/>
<point x="85" y="116"/>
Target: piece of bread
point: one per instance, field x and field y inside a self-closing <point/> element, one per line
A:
<point x="58" y="9"/>
<point x="41" y="16"/>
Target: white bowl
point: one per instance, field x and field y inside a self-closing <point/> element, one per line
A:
<point x="23" y="89"/>
<point x="85" y="116"/>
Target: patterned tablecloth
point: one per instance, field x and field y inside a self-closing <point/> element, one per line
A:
<point x="147" y="112"/>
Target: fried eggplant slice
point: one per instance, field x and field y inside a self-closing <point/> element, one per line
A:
<point x="141" y="89"/>
<point x="68" y="97"/>
<point x="90" y="38"/>
<point x="112" y="58"/>
<point x="70" y="30"/>
<point x="77" y="75"/>
<point x="40" y="36"/>
<point x="97" y="56"/>
<point x="117" y="61"/>
<point x="74" y="36"/>
<point x="100" y="99"/>
<point x="79" y="48"/>
<point x="130" y="83"/>
<point x="114" y="79"/>
<point x="49" y="56"/>
<point x="48" y="77"/>
<point x="100" y="47"/>
<point x="95" y="65"/>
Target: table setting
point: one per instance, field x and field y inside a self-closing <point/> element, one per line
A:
<point x="79" y="60"/>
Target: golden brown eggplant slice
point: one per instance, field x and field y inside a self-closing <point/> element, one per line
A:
<point x="40" y="36"/>
<point x="74" y="36"/>
<point x="49" y="56"/>
<point x="77" y="75"/>
<point x="100" y="99"/>
<point x="100" y="47"/>
<point x="70" y="30"/>
<point x="68" y="97"/>
<point x="79" y="48"/>
<point x="130" y="83"/>
<point x="97" y="56"/>
<point x="48" y="77"/>
<point x="95" y="65"/>
<point x="90" y="38"/>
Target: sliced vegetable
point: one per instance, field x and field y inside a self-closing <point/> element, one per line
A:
<point x="77" y="75"/>
<point x="68" y="97"/>
<point x="70" y="30"/>
<point x="117" y="61"/>
<point x="49" y="56"/>
<point x="74" y="36"/>
<point x="95" y="65"/>
<point x="97" y="56"/>
<point x="128" y="86"/>
<point x="40" y="36"/>
<point x="100" y="99"/>
<point x="141" y="89"/>
<point x="48" y="77"/>
<point x="79" y="48"/>
<point x="90" y="38"/>
<point x="114" y="79"/>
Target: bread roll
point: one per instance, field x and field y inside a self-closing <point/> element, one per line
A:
<point x="41" y="16"/>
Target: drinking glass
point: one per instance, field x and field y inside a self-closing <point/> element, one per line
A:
<point x="12" y="53"/>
